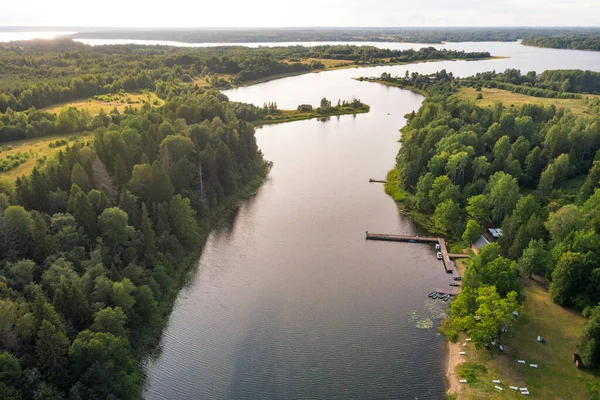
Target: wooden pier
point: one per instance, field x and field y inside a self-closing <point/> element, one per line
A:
<point x="451" y="291"/>
<point x="371" y="180"/>
<point x="446" y="257"/>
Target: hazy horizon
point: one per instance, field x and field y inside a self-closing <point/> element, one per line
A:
<point x="309" y="14"/>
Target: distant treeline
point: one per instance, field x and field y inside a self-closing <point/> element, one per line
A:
<point x="414" y="35"/>
<point x="563" y="84"/>
<point x="42" y="73"/>
<point x="552" y="83"/>
<point x="573" y="42"/>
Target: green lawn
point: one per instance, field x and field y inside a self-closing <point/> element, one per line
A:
<point x="555" y="378"/>
<point x="39" y="147"/>
<point x="492" y="95"/>
<point x="108" y="102"/>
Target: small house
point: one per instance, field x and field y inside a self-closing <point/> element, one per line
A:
<point x="495" y="232"/>
<point x="480" y="243"/>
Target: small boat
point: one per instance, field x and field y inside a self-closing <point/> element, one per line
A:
<point x="432" y="293"/>
<point x="439" y="255"/>
<point x="446" y="297"/>
<point x="454" y="284"/>
<point x="435" y="296"/>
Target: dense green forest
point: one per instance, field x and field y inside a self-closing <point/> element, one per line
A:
<point x="41" y="73"/>
<point x="567" y="84"/>
<point x="407" y="34"/>
<point x="532" y="170"/>
<point x="95" y="243"/>
<point x="573" y="42"/>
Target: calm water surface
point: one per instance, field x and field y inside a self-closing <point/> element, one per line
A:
<point x="289" y="301"/>
<point x="7" y="36"/>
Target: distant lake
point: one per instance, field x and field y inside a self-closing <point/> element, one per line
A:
<point x="12" y="36"/>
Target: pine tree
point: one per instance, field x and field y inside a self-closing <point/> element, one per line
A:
<point x="161" y="183"/>
<point x="120" y="171"/>
<point x="80" y="178"/>
<point x="85" y="215"/>
<point x="75" y="190"/>
<point x="148" y="232"/>
<point x="51" y="348"/>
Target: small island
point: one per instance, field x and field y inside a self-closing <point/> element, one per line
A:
<point x="272" y="115"/>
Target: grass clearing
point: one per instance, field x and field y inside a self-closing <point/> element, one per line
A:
<point x="108" y="102"/>
<point x="39" y="148"/>
<point x="205" y="81"/>
<point x="555" y="378"/>
<point x="328" y="63"/>
<point x="492" y="95"/>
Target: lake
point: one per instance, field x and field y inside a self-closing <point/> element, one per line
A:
<point x="9" y="36"/>
<point x="289" y="301"/>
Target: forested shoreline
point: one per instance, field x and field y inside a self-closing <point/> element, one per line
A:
<point x="96" y="242"/>
<point x="572" y="42"/>
<point x="400" y="34"/>
<point x="41" y="73"/>
<point x="530" y="170"/>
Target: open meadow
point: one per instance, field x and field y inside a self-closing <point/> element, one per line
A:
<point x="493" y="95"/>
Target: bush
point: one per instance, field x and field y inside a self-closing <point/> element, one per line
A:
<point x="471" y="371"/>
<point x="305" y="108"/>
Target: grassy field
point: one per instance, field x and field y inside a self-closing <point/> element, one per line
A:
<point x="555" y="378"/>
<point x="490" y="96"/>
<point x="328" y="63"/>
<point x="294" y="115"/>
<point x="108" y="102"/>
<point x="204" y="81"/>
<point x="39" y="148"/>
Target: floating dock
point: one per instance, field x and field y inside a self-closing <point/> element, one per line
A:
<point x="371" y="180"/>
<point x="446" y="257"/>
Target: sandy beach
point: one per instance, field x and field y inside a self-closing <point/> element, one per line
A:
<point x="454" y="359"/>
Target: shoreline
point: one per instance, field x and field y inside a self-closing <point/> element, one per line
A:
<point x="297" y="116"/>
<point x="453" y="360"/>
<point x="357" y="66"/>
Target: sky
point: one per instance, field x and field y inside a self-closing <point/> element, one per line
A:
<point x="281" y="13"/>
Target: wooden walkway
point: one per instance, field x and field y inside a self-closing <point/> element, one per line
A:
<point x="371" y="180"/>
<point x="458" y="255"/>
<point x="446" y="257"/>
<point x="450" y="291"/>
